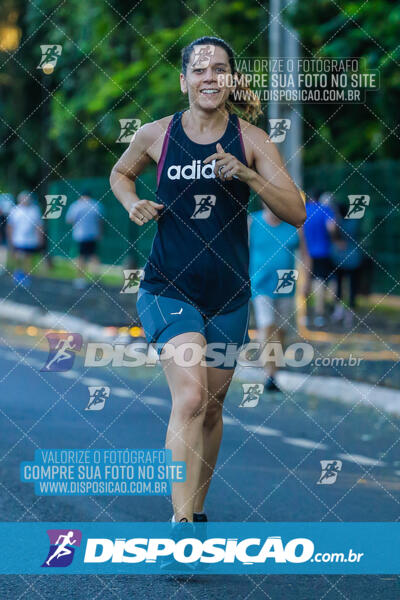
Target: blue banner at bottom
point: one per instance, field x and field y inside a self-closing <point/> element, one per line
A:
<point x="209" y="548"/>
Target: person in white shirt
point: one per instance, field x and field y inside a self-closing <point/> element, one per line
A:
<point x="25" y="233"/>
<point x="86" y="217"/>
<point x="6" y="205"/>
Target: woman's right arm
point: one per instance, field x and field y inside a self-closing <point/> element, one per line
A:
<point x="124" y="173"/>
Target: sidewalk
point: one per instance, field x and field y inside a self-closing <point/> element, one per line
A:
<point x="97" y="303"/>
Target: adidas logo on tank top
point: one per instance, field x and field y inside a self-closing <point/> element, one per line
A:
<point x="195" y="170"/>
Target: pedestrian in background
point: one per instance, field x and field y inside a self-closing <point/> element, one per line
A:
<point x="319" y="229"/>
<point x="346" y="257"/>
<point x="25" y="235"/>
<point x="6" y="205"/>
<point x="273" y="244"/>
<point x="86" y="217"/>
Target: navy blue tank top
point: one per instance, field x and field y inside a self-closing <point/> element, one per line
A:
<point x="200" y="253"/>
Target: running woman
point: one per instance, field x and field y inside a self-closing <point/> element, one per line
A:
<point x="196" y="286"/>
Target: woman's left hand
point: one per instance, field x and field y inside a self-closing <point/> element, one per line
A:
<point x="228" y="166"/>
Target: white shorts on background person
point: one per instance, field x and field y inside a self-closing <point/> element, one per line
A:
<point x="277" y="311"/>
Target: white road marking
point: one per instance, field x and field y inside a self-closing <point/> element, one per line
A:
<point x="32" y="362"/>
<point x="303" y="443"/>
<point x="67" y="374"/>
<point x="154" y="400"/>
<point x="92" y="381"/>
<point x="261" y="430"/>
<point x="121" y="392"/>
<point x="361" y="460"/>
<point x="229" y="421"/>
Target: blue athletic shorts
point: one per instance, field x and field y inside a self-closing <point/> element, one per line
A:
<point x="163" y="318"/>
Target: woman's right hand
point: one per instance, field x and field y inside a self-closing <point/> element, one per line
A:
<point x="143" y="211"/>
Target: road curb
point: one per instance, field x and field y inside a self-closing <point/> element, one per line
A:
<point x="31" y="315"/>
<point x="330" y="388"/>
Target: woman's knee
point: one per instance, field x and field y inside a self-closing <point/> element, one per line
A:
<point x="190" y="403"/>
<point x="214" y="411"/>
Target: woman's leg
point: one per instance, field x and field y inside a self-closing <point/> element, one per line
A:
<point x="353" y="283"/>
<point x="188" y="386"/>
<point x="272" y="333"/>
<point x="339" y="288"/>
<point x="218" y="384"/>
<point x="319" y="290"/>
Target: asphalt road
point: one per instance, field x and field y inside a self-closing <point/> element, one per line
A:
<point x="268" y="470"/>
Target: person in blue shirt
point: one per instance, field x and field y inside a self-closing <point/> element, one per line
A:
<point x="273" y="245"/>
<point x="85" y="215"/>
<point x="319" y="228"/>
<point x="346" y="256"/>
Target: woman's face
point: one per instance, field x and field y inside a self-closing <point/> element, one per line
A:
<point x="205" y="82"/>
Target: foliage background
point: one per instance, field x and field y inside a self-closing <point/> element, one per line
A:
<point x="121" y="62"/>
<point x="58" y="133"/>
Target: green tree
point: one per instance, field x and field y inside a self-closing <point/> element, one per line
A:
<point x="355" y="132"/>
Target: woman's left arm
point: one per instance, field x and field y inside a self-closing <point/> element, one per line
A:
<point x="268" y="177"/>
<point x="270" y="180"/>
